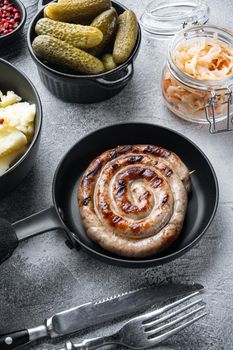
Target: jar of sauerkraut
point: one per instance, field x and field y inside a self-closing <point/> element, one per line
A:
<point x="197" y="78"/>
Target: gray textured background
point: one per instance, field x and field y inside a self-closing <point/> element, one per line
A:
<point x="44" y="276"/>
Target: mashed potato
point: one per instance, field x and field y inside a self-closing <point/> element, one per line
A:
<point x="16" y="128"/>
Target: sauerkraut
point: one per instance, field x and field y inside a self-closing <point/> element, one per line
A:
<point x="187" y="100"/>
<point x="202" y="59"/>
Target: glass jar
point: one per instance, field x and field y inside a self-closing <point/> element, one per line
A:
<point x="199" y="101"/>
<point x="162" y="19"/>
<point x="194" y="99"/>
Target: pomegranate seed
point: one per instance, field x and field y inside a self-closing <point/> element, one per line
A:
<point x="10" y="17"/>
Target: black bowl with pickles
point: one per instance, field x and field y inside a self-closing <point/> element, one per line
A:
<point x="72" y="86"/>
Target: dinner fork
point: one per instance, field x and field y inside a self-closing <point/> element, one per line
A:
<point x="149" y="328"/>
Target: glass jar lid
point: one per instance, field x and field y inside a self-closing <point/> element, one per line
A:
<point x="163" y="19"/>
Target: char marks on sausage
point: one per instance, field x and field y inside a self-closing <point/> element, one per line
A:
<point x="133" y="199"/>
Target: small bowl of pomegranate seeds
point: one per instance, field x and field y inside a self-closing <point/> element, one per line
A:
<point x="12" y="18"/>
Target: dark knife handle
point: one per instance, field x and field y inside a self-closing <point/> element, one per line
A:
<point x="13" y="340"/>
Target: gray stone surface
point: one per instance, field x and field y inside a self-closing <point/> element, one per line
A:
<point x="44" y="276"/>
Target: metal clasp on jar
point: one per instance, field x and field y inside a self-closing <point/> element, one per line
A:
<point x="185" y="24"/>
<point x="211" y="106"/>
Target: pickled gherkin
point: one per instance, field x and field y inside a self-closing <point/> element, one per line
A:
<point x="76" y="11"/>
<point x="107" y="23"/>
<point x="126" y="36"/>
<point x="80" y="36"/>
<point x="108" y="62"/>
<point x="61" y="53"/>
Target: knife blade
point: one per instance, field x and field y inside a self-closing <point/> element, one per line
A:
<point x="93" y="313"/>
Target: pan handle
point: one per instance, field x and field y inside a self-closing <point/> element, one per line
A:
<point x="43" y="221"/>
<point x="12" y="234"/>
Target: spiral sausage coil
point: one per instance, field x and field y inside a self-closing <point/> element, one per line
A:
<point x="133" y="199"/>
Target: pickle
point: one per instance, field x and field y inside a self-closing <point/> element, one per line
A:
<point x="108" y="62"/>
<point x="59" y="52"/>
<point x="107" y="23"/>
<point x="77" y="35"/>
<point x="76" y="11"/>
<point x="126" y="36"/>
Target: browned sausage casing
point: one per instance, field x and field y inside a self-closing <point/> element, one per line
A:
<point x="133" y="199"/>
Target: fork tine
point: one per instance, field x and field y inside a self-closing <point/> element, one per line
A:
<point x="146" y="317"/>
<point x="174" y="313"/>
<point x="177" y="320"/>
<point x="162" y="337"/>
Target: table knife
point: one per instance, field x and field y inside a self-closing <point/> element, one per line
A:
<point x="94" y="313"/>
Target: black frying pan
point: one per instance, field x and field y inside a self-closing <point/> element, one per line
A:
<point x="64" y="214"/>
